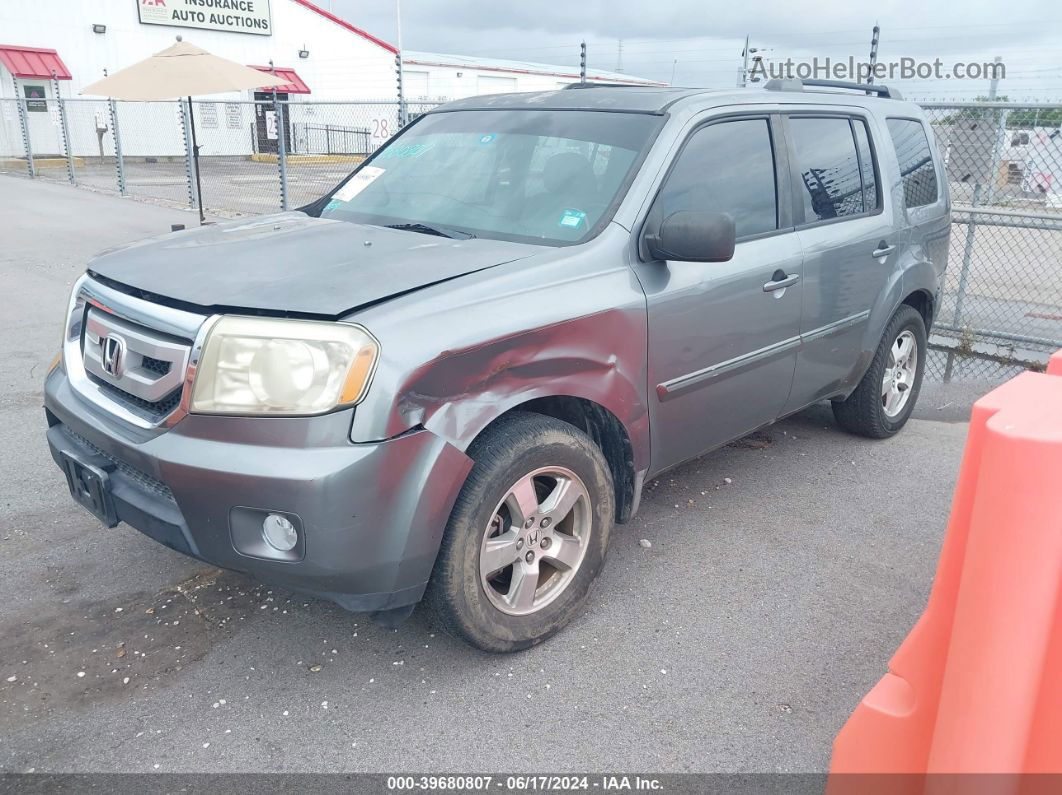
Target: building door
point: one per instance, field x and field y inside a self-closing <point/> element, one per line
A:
<point x="490" y="84"/>
<point x="42" y="116"/>
<point x="265" y="122"/>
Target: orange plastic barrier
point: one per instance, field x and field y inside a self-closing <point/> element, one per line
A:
<point x="1054" y="366"/>
<point x="977" y="685"/>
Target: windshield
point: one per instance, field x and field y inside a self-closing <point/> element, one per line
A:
<point x="550" y="177"/>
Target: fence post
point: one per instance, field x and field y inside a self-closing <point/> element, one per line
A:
<point x="997" y="154"/>
<point x="282" y="152"/>
<point x="118" y="162"/>
<point x="23" y="122"/>
<point x="582" y="62"/>
<point x="402" y="115"/>
<point x="189" y="173"/>
<point x="63" y="129"/>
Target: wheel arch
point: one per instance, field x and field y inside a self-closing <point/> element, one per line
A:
<point x="606" y="431"/>
<point x="922" y="301"/>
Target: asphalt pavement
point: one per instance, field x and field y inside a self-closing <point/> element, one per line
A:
<point x="782" y="573"/>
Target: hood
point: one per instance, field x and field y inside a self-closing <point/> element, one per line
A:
<point x="293" y="263"/>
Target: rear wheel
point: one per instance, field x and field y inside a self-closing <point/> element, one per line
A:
<point x="885" y="398"/>
<point x="527" y="536"/>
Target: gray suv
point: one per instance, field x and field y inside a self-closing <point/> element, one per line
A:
<point x="448" y="378"/>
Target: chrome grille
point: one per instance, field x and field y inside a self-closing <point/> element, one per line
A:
<point x="128" y="356"/>
<point x="115" y="352"/>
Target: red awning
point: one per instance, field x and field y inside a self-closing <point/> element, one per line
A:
<point x="295" y="84"/>
<point x="33" y="62"/>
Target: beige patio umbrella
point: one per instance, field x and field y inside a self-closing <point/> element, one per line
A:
<point x="182" y="70"/>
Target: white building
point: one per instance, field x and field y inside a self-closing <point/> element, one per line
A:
<point x="326" y="57"/>
<point x="436" y="77"/>
<point x="52" y="48"/>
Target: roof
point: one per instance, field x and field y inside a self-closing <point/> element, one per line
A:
<point x="344" y="24"/>
<point x="659" y="99"/>
<point x="33" y="62"/>
<point x="635" y="99"/>
<point x="518" y="67"/>
<point x="294" y="85"/>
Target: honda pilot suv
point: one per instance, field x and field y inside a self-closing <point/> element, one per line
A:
<point x="451" y="376"/>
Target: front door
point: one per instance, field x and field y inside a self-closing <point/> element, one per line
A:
<point x="723" y="337"/>
<point x="266" y="122"/>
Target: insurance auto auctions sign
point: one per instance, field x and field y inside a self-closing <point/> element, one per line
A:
<point x="235" y="16"/>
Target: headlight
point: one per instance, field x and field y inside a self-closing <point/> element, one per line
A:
<point x="254" y="365"/>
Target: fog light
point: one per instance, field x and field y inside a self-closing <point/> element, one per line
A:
<point x="279" y="532"/>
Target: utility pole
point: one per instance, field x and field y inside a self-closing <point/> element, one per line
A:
<point x="873" y="55"/>
<point x="743" y="75"/>
<point x="993" y="86"/>
<point x="746" y="54"/>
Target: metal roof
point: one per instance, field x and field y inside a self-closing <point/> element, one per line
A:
<point x="33" y="62"/>
<point x="295" y="84"/>
<point x="412" y="58"/>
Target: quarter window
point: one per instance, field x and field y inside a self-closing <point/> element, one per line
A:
<point x="916" y="163"/>
<point x="726" y="168"/>
<point x="829" y="168"/>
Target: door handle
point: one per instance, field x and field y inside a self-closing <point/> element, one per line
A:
<point x="882" y="250"/>
<point x="782" y="283"/>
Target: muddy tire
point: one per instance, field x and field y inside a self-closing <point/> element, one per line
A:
<point x="527" y="536"/>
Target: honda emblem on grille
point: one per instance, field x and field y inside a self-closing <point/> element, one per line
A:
<point x="112" y="353"/>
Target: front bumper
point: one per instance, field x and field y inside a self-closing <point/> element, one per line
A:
<point x="372" y="514"/>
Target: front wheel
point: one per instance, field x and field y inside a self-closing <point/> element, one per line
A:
<point x="885" y="398"/>
<point x="527" y="536"/>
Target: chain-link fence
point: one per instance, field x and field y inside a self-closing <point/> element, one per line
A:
<point x="144" y="149"/>
<point x="1002" y="303"/>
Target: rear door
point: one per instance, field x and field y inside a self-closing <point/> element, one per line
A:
<point x="850" y="243"/>
<point x="723" y="336"/>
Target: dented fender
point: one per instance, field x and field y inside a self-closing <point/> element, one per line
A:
<point x="556" y="325"/>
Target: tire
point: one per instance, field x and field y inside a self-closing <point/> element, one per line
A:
<point x="866" y="411"/>
<point x="517" y="446"/>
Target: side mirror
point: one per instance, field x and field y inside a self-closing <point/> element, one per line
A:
<point x="693" y="237"/>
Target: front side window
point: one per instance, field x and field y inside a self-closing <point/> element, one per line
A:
<point x="552" y="177"/>
<point x="917" y="171"/>
<point x="726" y="168"/>
<point x="829" y="168"/>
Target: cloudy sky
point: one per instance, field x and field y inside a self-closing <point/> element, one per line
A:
<point x="699" y="43"/>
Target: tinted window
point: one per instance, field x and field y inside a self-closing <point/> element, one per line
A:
<point x="726" y="168"/>
<point x="866" y="166"/>
<point x="916" y="164"/>
<point x="829" y="168"/>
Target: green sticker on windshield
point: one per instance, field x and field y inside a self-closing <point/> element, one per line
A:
<point x="333" y="204"/>
<point x="404" y="151"/>
<point x="572" y="219"/>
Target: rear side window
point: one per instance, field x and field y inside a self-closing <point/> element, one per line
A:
<point x="829" y="168"/>
<point x="916" y="163"/>
<point x="726" y="168"/>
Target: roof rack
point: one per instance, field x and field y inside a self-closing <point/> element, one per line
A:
<point x="796" y="84"/>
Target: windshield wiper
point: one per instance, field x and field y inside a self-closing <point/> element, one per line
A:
<point x="426" y="229"/>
